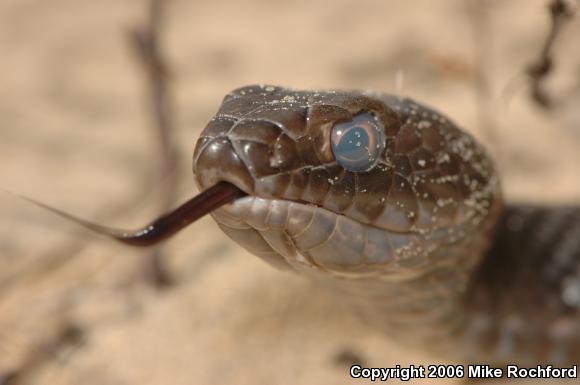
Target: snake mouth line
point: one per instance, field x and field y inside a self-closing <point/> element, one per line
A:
<point x="249" y="191"/>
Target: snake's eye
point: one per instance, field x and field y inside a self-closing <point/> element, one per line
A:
<point x="357" y="144"/>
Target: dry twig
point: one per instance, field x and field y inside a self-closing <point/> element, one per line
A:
<point x="561" y="11"/>
<point x="147" y="42"/>
<point x="68" y="336"/>
<point x="479" y="12"/>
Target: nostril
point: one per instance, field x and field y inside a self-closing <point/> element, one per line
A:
<point x="218" y="161"/>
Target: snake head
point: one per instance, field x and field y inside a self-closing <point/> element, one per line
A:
<point x="351" y="183"/>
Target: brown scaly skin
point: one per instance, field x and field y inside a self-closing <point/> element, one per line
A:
<point x="452" y="272"/>
<point x="399" y="241"/>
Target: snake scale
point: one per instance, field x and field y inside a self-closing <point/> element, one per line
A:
<point x="398" y="211"/>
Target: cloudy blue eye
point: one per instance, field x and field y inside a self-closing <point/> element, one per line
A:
<point x="357" y="144"/>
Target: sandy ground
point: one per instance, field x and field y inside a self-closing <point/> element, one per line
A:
<point x="75" y="132"/>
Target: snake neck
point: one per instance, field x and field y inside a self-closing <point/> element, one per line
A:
<point x="420" y="310"/>
<point x="428" y="310"/>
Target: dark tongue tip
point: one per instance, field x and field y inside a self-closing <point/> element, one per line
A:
<point x="164" y="226"/>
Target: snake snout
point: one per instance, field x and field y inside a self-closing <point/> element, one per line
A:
<point x="215" y="160"/>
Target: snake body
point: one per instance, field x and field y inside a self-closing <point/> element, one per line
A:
<point x="421" y="244"/>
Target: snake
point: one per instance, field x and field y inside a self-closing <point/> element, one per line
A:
<point x="396" y="210"/>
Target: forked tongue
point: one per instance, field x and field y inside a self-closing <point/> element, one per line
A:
<point x="166" y="225"/>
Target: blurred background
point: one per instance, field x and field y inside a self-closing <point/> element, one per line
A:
<point x="78" y="131"/>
